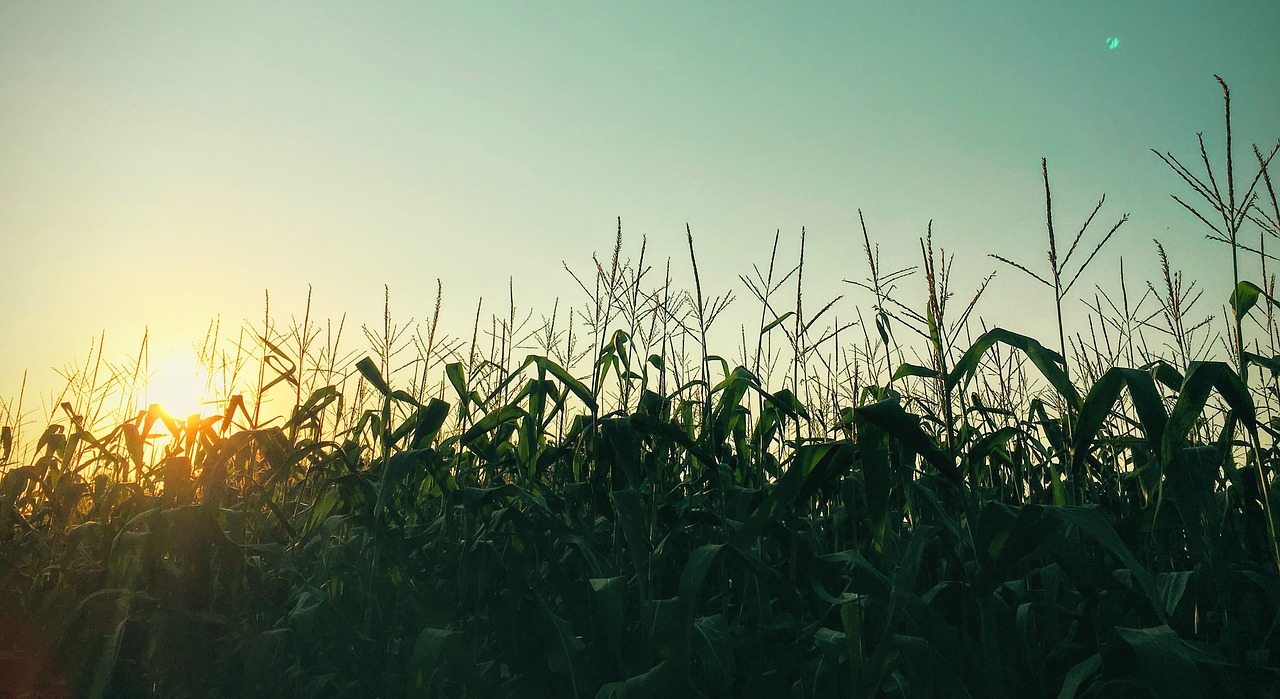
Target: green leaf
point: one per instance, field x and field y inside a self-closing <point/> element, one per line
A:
<point x="908" y="369"/>
<point x="877" y="474"/>
<point x="405" y="397"/>
<point x="624" y="448"/>
<point x="655" y="683"/>
<point x="403" y="468"/>
<point x="315" y="404"/>
<point x="370" y="372"/>
<point x="630" y="510"/>
<point x="428" y="421"/>
<point x="786" y="402"/>
<point x="610" y="596"/>
<point x="691" y="582"/>
<point x="1082" y="671"/>
<point x="882" y="327"/>
<point x="1100" y="402"/>
<point x="778" y="321"/>
<point x="651" y="425"/>
<point x="731" y="390"/>
<point x="133" y="443"/>
<point x="457" y="377"/>
<point x="563" y="647"/>
<point x="436" y="649"/>
<point x="1051" y="364"/>
<point x="577" y="387"/>
<point x="1171" y="587"/>
<point x="1202" y="378"/>
<point x="1245" y="297"/>
<point x="1090" y="521"/>
<point x="990" y="443"/>
<point x="813" y="465"/>
<point x="905" y="427"/>
<point x="1165" y="665"/>
<point x="1271" y="364"/>
<point x="1165" y="373"/>
<point x="712" y="647"/>
<point x="508" y="414"/>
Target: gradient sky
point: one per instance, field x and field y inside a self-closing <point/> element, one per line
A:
<point x="164" y="163"/>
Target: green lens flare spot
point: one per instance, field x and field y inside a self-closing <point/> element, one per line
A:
<point x="1112" y="42"/>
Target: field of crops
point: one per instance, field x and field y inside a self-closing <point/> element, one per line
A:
<point x="597" y="505"/>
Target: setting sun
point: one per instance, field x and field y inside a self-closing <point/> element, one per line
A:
<point x="179" y="385"/>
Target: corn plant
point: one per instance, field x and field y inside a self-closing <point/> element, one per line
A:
<point x="600" y="506"/>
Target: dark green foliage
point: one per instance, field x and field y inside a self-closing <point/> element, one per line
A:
<point x="506" y="561"/>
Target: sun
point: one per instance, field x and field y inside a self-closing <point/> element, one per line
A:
<point x="180" y="385"/>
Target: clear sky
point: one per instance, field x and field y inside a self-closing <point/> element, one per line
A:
<point x="163" y="163"/>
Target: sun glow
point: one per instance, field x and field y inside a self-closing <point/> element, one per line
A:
<point x="180" y="386"/>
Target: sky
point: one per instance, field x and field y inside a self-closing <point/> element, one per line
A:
<point x="163" y="164"/>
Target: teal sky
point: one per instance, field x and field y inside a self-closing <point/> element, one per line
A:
<point x="164" y="163"/>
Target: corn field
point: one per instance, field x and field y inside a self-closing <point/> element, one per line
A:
<point x="908" y="504"/>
